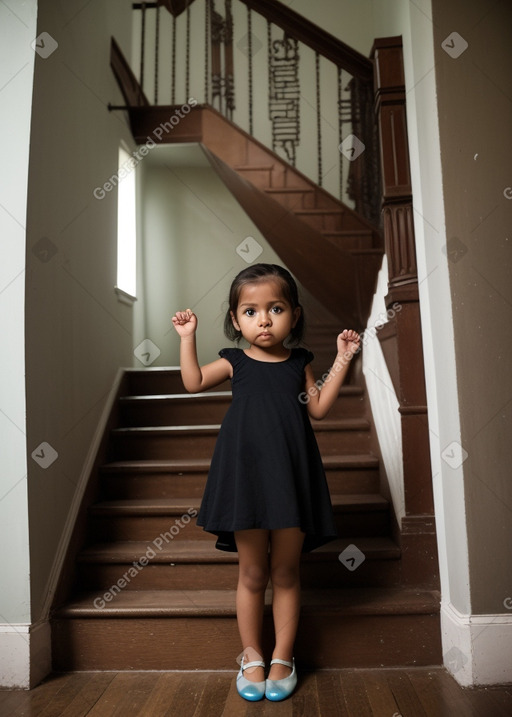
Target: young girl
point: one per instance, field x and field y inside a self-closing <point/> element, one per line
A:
<point x="266" y="489"/>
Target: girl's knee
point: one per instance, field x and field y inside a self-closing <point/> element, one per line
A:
<point x="254" y="577"/>
<point x="285" y="576"/>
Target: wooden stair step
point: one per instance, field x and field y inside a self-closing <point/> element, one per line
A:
<point x="197" y="629"/>
<point x="188" y="465"/>
<point x="192" y="551"/>
<point x="201" y="603"/>
<point x="177" y="506"/>
<point x="176" y="409"/>
<point x="186" y="478"/>
<point x="179" y="465"/>
<point x="159" y="380"/>
<point x="341" y="424"/>
<point x="197" y="563"/>
<point x="347" y="424"/>
<point x="198" y="398"/>
<point x="374" y="548"/>
<point x="252" y="167"/>
<point x="145" y="518"/>
<point x="141" y="442"/>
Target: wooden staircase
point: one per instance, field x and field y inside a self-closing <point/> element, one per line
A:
<point x="143" y="588"/>
<point x="151" y="591"/>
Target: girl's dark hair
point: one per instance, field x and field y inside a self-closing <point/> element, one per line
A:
<point x="264" y="272"/>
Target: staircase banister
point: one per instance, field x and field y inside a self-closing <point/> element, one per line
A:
<point x="310" y="34"/>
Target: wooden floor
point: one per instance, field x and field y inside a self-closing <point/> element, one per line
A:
<point x="416" y="692"/>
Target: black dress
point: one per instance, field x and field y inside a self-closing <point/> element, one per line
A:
<point x="266" y="470"/>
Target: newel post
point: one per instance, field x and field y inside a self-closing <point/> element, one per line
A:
<point x="401" y="339"/>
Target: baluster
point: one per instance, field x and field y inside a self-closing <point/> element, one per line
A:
<point x="187" y="58"/>
<point x="142" y="43"/>
<point x="249" y="51"/>
<point x="217" y="30"/>
<point x="173" y="70"/>
<point x="340" y="126"/>
<point x="269" y="67"/>
<point x="318" y="118"/>
<point x="228" y="62"/>
<point x="206" y="50"/>
<point x="157" y="40"/>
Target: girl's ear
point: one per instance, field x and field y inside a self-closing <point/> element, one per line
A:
<point x="296" y="316"/>
<point x="235" y="322"/>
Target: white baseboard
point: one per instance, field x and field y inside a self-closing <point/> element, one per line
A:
<point x="477" y="649"/>
<point x="25" y="654"/>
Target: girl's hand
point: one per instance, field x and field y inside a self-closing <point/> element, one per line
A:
<point x="348" y="341"/>
<point x="185" y="323"/>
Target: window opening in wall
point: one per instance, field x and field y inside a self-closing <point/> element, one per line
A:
<point x="126" y="226"/>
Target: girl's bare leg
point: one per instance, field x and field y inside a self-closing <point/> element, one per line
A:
<point x="285" y="553"/>
<point x="253" y="574"/>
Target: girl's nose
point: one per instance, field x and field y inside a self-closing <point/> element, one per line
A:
<point x="264" y="320"/>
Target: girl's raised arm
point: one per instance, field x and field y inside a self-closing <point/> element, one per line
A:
<point x="196" y="378"/>
<point x="320" y="400"/>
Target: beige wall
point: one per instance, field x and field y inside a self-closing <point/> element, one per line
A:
<point x="77" y="332"/>
<point x="191" y="227"/>
<point x="475" y="120"/>
<point x="16" y="71"/>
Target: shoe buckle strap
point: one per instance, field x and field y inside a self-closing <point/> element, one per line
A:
<point x="255" y="663"/>
<point x="282" y="662"/>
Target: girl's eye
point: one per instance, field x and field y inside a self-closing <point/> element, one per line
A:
<point x="249" y="312"/>
<point x="276" y="309"/>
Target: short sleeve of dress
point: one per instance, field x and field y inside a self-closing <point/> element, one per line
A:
<point x="231" y="355"/>
<point x="308" y="357"/>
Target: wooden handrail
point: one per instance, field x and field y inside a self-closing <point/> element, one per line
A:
<point x="130" y="88"/>
<point x="313" y="36"/>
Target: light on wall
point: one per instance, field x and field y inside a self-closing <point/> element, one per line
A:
<point x="126" y="226"/>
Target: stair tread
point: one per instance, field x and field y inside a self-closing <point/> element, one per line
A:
<point x="339" y="210"/>
<point x="208" y="396"/>
<point x="166" y="506"/>
<point x="200" y="603"/>
<point x="253" y="167"/>
<point x="176" y="465"/>
<point x="185" y="465"/>
<point x="332" y="424"/>
<point x="289" y="190"/>
<point x="204" y="551"/>
<point x="216" y="395"/>
<point x="346" y="232"/>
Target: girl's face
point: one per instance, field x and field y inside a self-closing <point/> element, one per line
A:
<point x="263" y="315"/>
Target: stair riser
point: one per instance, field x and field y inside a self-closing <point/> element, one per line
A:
<point x="156" y="413"/>
<point x="294" y="200"/>
<point x="138" y="446"/>
<point x="348" y="241"/>
<point x="162" y="576"/>
<point x="224" y="576"/>
<point x="328" y="221"/>
<point x="213" y="643"/>
<point x="186" y="413"/>
<point x="191" y="485"/>
<point x="151" y="383"/>
<point x="109" y="527"/>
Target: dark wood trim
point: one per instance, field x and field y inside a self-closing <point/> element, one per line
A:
<point x="128" y="83"/>
<point x="401" y="340"/>
<point x="310" y="34"/>
<point x="91" y="494"/>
